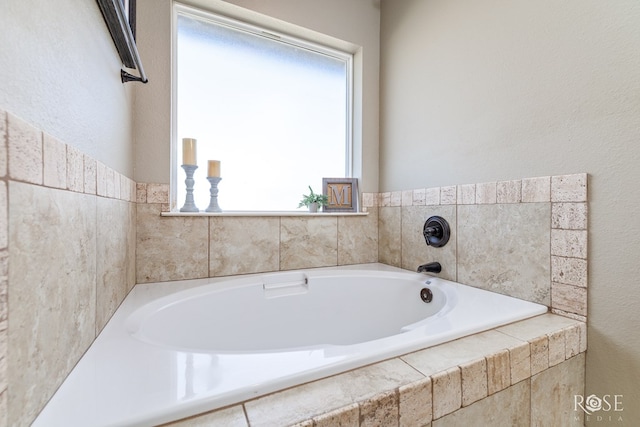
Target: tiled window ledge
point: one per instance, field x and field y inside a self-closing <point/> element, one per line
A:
<point x="159" y="194"/>
<point x="263" y="213"/>
<point x="429" y="384"/>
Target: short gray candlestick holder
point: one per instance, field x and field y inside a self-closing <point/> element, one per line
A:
<point x="213" y="204"/>
<point x="189" y="205"/>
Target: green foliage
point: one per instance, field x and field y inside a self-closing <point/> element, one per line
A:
<point x="320" y="199"/>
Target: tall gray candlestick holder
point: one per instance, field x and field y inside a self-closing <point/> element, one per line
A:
<point x="189" y="205"/>
<point x="213" y="204"/>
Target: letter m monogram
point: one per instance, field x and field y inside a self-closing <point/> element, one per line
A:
<point x="340" y="195"/>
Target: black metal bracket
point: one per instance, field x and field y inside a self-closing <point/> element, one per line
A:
<point x="126" y="77"/>
<point x="436" y="231"/>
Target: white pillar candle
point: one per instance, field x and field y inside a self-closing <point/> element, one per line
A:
<point x="189" y="154"/>
<point x="214" y="168"/>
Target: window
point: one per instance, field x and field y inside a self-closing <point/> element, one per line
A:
<point x="275" y="110"/>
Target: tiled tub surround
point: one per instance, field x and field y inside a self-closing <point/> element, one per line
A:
<point x="525" y="373"/>
<point x="64" y="191"/>
<point x="525" y="238"/>
<point x="67" y="239"/>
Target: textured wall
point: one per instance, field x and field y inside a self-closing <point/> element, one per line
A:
<point x="61" y="73"/>
<point x="495" y="90"/>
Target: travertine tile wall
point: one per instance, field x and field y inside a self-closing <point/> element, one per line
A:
<point x="175" y="248"/>
<point x="509" y="237"/>
<point x="67" y="244"/>
<point x="4" y="271"/>
<point x="525" y="238"/>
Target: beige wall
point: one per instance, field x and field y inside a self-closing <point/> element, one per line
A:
<point x="355" y="21"/>
<point x="498" y="90"/>
<point x="60" y="72"/>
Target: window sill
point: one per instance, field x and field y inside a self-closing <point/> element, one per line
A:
<point x="263" y="213"/>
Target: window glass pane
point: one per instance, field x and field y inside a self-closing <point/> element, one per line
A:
<point x="275" y="114"/>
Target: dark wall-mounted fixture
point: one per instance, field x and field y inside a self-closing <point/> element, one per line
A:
<point x="121" y="23"/>
<point x="431" y="267"/>
<point x="436" y="231"/>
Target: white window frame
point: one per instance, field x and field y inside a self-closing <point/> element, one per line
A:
<point x="297" y="36"/>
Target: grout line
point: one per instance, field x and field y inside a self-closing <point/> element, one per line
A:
<point x="208" y="246"/>
<point x="246" y="415"/>
<point x="279" y="243"/>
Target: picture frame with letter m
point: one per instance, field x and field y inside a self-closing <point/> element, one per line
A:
<point x="342" y="194"/>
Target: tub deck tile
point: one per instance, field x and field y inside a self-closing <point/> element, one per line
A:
<point x="557" y="347"/>
<point x="415" y="403"/>
<point x="474" y="381"/>
<point x="572" y="341"/>
<point x="520" y="359"/>
<point x="380" y="410"/>
<point x="529" y="329"/>
<point x="460" y="351"/>
<point x="447" y="392"/>
<point x="312" y="399"/>
<point x="498" y="371"/>
<point x="349" y="416"/>
<point x="228" y="417"/>
<point x="539" y="354"/>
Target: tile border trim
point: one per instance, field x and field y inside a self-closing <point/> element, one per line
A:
<point x="557" y="189"/>
<point x="30" y="155"/>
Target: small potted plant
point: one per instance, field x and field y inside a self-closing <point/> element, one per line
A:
<point x="313" y="201"/>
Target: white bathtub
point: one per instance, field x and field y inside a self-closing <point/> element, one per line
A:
<point x="165" y="356"/>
